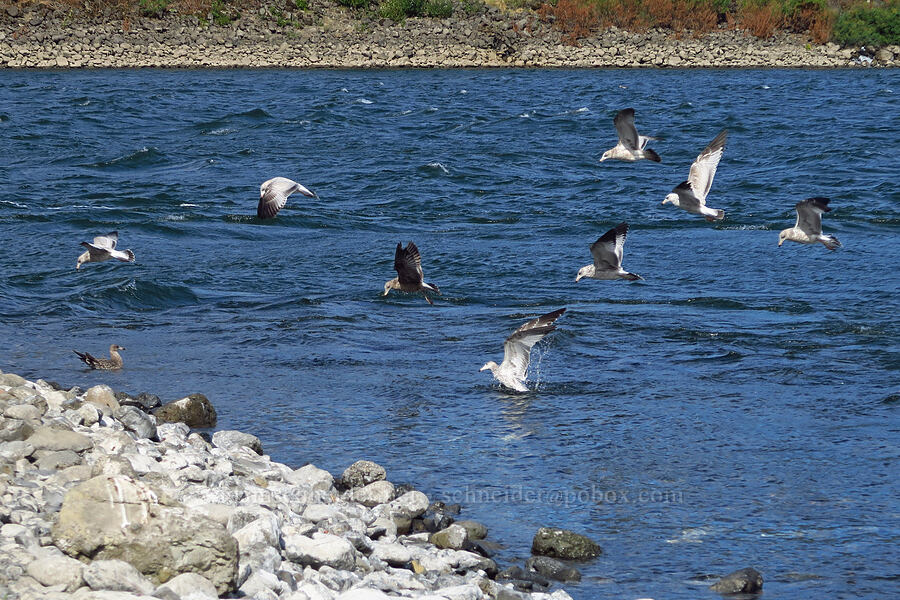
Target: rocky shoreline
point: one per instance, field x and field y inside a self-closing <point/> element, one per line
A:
<point x="112" y="496"/>
<point x="330" y="36"/>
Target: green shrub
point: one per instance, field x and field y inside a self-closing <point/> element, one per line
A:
<point x="154" y="8"/>
<point x="355" y="3"/>
<point x="301" y="4"/>
<point x="438" y="9"/>
<point x="473" y="7"/>
<point x="219" y="13"/>
<point x="869" y="25"/>
<point x="398" y="10"/>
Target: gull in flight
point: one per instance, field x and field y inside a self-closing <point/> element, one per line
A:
<point x="631" y="146"/>
<point x="410" y="277"/>
<point x="607" y="251"/>
<point x="691" y="194"/>
<point x="273" y="195"/>
<point x="113" y="362"/>
<point x="103" y="248"/>
<point x="513" y="370"/>
<point x="808" y="229"/>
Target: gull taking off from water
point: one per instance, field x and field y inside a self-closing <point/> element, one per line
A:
<point x="104" y="248"/>
<point x="513" y="370"/>
<point x="808" y="229"/>
<point x="113" y="362"/>
<point x="410" y="277"/>
<point x="631" y="146"/>
<point x="607" y="251"/>
<point x="691" y="194"/>
<point x="273" y="195"/>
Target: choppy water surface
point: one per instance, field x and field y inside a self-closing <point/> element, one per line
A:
<point x="738" y="407"/>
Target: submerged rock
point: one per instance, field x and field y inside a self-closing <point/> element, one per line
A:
<point x="552" y="568"/>
<point x="743" y="581"/>
<point x="562" y="543"/>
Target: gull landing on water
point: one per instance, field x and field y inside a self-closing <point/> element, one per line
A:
<point x="513" y="370"/>
<point x="691" y="194"/>
<point x="808" y="229"/>
<point x="607" y="252"/>
<point x="104" y="248"/>
<point x="631" y="146"/>
<point x="410" y="277"/>
<point x="113" y="362"/>
<point x="273" y="195"/>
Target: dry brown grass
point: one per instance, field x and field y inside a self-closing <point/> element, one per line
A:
<point x="574" y="18"/>
<point x="760" y="20"/>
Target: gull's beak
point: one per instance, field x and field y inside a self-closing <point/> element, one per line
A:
<point x="484" y="368"/>
<point x="780" y="242"/>
<point x="577" y="277"/>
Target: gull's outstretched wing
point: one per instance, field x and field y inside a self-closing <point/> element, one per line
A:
<point x="704" y="168"/>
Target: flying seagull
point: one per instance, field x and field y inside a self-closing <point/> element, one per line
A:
<point x="104" y="248"/>
<point x="691" y="194"/>
<point x="410" y="278"/>
<point x="273" y="195"/>
<point x="517" y="349"/>
<point x="808" y="229"/>
<point x="631" y="146"/>
<point x="113" y="362"/>
<point x="607" y="251"/>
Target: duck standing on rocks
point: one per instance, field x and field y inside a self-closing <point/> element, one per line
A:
<point x="513" y="370"/>
<point x="112" y="363"/>
<point x="691" y="194"/>
<point x="273" y="195"/>
<point x="104" y="248"/>
<point x="631" y="146"/>
<point x="607" y="252"/>
<point x="808" y="229"/>
<point x="410" y="277"/>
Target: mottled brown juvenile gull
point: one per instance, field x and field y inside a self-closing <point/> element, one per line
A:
<point x="513" y="370"/>
<point x="273" y="195"/>
<point x="104" y="248"/>
<point x="808" y="228"/>
<point x="113" y="362"/>
<point x="631" y="146"/>
<point x="607" y="252"/>
<point x="410" y="277"/>
<point x="691" y="194"/>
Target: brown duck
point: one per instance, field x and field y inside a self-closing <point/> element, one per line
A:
<point x="410" y="278"/>
<point x="113" y="362"/>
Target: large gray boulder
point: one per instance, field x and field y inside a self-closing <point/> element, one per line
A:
<point x="377" y="492"/>
<point x="137" y="421"/>
<point x="57" y="570"/>
<point x="311" y="476"/>
<point x="362" y="472"/>
<point x="321" y="549"/>
<point x="46" y="438"/>
<point x="107" y="518"/>
<point x="232" y="440"/>
<point x="565" y="544"/>
<point x="117" y="576"/>
<point x="103" y="397"/>
<point x="744" y="581"/>
<point x="194" y="411"/>
<point x="453" y="537"/>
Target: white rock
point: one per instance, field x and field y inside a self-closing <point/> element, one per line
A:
<point x="89" y="414"/>
<point x="311" y="476"/>
<point x="412" y="504"/>
<point x="321" y="549"/>
<point x="103" y="397"/>
<point x="57" y="570"/>
<point x="378" y="492"/>
<point x="264" y="531"/>
<point x="322" y="512"/>
<point x="260" y="582"/>
<point x="117" y="576"/>
<point x="469" y="591"/>
<point x="393" y="554"/>
<point x="364" y="594"/>
<point x="189" y="586"/>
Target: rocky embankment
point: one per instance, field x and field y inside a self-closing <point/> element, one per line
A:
<point x="328" y="35"/>
<point x="101" y="499"/>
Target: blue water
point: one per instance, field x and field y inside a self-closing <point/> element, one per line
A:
<point x="737" y="408"/>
